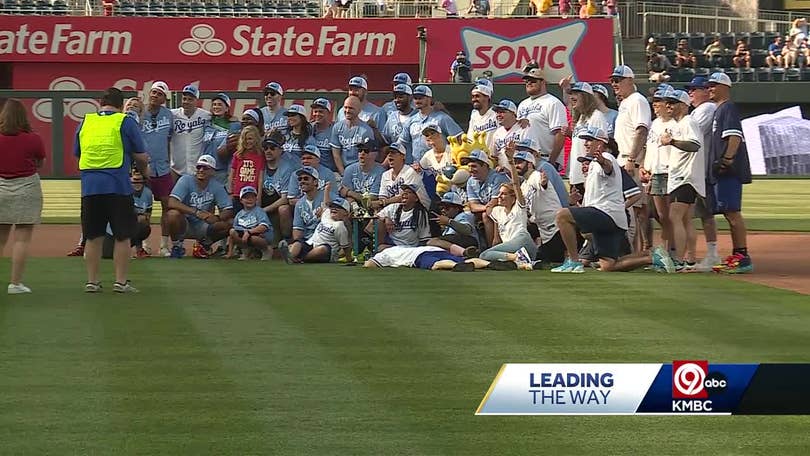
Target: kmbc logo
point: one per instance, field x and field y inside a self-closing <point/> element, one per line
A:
<point x="692" y="380"/>
<point x="552" y="49"/>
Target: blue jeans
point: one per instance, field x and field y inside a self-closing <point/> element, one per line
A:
<point x="498" y="252"/>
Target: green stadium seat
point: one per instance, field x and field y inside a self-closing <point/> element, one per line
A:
<point x="793" y="75"/>
<point x="747" y="75"/>
<point x="757" y="41"/>
<point x="696" y="41"/>
<point x="764" y="74"/>
<point x="805" y="74"/>
<point x="777" y="74"/>
<point x="733" y="74"/>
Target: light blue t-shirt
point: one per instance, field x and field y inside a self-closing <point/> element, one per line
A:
<point x="483" y="192"/>
<point x="555" y="180"/>
<point x="277" y="180"/>
<point x="292" y="146"/>
<point x="345" y="138"/>
<point x="143" y="202"/>
<point x="392" y="129"/>
<point x="390" y="106"/>
<point x="610" y="117"/>
<point x="466" y="218"/>
<point x="322" y="139"/>
<point x="214" y="194"/>
<point x="215" y="137"/>
<point x="277" y="121"/>
<point x="248" y="219"/>
<point x="156" y="131"/>
<point x="324" y="175"/>
<point x="369" y="111"/>
<point x="304" y="218"/>
<point x="412" y="138"/>
<point x="361" y="182"/>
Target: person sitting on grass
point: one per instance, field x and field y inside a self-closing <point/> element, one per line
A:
<point x="459" y="236"/>
<point x="404" y="223"/>
<point x="330" y="239"/>
<point x="308" y="209"/>
<point x="251" y="227"/>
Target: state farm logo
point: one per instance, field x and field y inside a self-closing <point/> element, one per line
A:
<point x="248" y="40"/>
<point x="73" y="108"/>
<point x="552" y="49"/>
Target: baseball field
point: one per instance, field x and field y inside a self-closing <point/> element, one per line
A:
<point x="227" y="357"/>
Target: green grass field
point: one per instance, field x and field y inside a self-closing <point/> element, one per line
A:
<point x="768" y="204"/>
<point x="234" y="358"/>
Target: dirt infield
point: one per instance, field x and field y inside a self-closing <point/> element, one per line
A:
<point x="778" y="257"/>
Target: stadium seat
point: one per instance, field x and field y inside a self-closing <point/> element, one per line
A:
<point x="702" y="61"/>
<point x="757" y="41"/>
<point x="777" y="74"/>
<point x="769" y="37"/>
<point x="745" y="36"/>
<point x="127" y="8"/>
<point x="683" y="75"/>
<point x="733" y="74"/>
<point x="270" y="9"/>
<point x="728" y="39"/>
<point x="793" y="75"/>
<point x="284" y="9"/>
<point x="43" y="7"/>
<point x="758" y="58"/>
<point x="703" y="72"/>
<point x="183" y="8"/>
<point x="239" y="9"/>
<point x="226" y="9"/>
<point x="805" y="74"/>
<point x="667" y="40"/>
<point x="170" y="8"/>
<point x="155" y="8"/>
<point x="313" y="9"/>
<point x="764" y="75"/>
<point x="299" y="9"/>
<point x="696" y="41"/>
<point x="746" y="75"/>
<point x="59" y="8"/>
<point x="197" y="8"/>
<point x="27" y="7"/>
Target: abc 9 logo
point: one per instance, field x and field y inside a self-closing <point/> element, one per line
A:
<point x="690" y="380"/>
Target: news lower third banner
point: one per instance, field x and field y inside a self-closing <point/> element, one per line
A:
<point x="680" y="388"/>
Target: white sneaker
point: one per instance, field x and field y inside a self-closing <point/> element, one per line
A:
<point x="92" y="287"/>
<point x="146" y="247"/>
<point x="708" y="263"/>
<point x="18" y="288"/>
<point x="267" y="255"/>
<point x="165" y="252"/>
<point x="124" y="287"/>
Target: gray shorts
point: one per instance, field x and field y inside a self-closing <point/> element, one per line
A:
<point x="196" y="229"/>
<point x="704" y="207"/>
<point x="658" y="184"/>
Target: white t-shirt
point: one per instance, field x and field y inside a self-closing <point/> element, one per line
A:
<point x="687" y="167"/>
<point x="331" y="233"/>
<point x="501" y="138"/>
<point x="604" y="191"/>
<point x="543" y="204"/>
<point x="187" y="139"/>
<point x="430" y="164"/>
<point x="488" y="123"/>
<point x="390" y="184"/>
<point x="398" y="256"/>
<point x="405" y="230"/>
<point x="634" y="112"/>
<point x="512" y="223"/>
<point x="546" y="115"/>
<point x="704" y="116"/>
<point x="598" y="120"/>
<point x="656" y="159"/>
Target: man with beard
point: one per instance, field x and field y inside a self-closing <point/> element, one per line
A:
<point x="509" y="129"/>
<point x="482" y="117"/>
<point x="401" y="115"/>
<point x="543" y="116"/>
<point x="426" y="114"/>
<point x="399" y="78"/>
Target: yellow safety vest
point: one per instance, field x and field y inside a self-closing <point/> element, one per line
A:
<point x="100" y="141"/>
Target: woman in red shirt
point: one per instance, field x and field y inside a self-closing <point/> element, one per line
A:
<point x="21" y="154"/>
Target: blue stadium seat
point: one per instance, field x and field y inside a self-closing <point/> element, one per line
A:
<point x="777" y="74"/>
<point x="764" y="75"/>
<point x="793" y="75"/>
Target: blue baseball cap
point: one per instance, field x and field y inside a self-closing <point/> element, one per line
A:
<point x="275" y="87"/>
<point x="662" y="93"/>
<point x="527" y="143"/>
<point x="595" y="133"/>
<point x="679" y="96"/>
<point x="341" y="203"/>
<point x="309" y="171"/>
<point x="600" y="89"/>
<point x="422" y="91"/>
<point x="411" y="187"/>
<point x="485" y="82"/>
<point x="322" y="103"/>
<point x="431" y="127"/>
<point x="698" y="82"/>
<point x="312" y="149"/>
<point x="225" y="99"/>
<point x="296" y="109"/>
<point x="477" y="155"/>
<point x="452" y="198"/>
<point x="505" y="105"/>
<point x="622" y="71"/>
<point x="358" y="81"/>
<point x="403" y="88"/>
<point x="719" y="78"/>
<point x="397" y="147"/>
<point x="582" y="87"/>
<point x="482" y="89"/>
<point x="192" y="90"/>
<point x="402" y="78"/>
<point x="526" y="156"/>
<point x="246" y="190"/>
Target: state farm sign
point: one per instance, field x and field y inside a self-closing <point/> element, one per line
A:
<point x="62" y="39"/>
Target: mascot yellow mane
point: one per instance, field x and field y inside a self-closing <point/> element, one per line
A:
<point x="460" y="148"/>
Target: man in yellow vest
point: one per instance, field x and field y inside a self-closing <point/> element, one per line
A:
<point x="107" y="143"/>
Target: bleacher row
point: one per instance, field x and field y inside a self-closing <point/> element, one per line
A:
<point x="169" y="8"/>
<point x="744" y="74"/>
<point x="35" y="7"/>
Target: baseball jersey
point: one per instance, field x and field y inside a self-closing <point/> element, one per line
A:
<point x="610" y="117"/>
<point x="704" y="115"/>
<point x="188" y="192"/>
<point x="247" y="219"/>
<point x="394" y="124"/>
<point x="487" y="123"/>
<point x="324" y="175"/>
<point x="727" y="123"/>
<point x="357" y="180"/>
<point x="482" y="192"/>
<point x="332" y="233"/>
<point x="656" y="159"/>
<point x="512" y="222"/>
<point x="432" y="165"/>
<point x="596" y="120"/>
<point x="390" y="184"/>
<point x="156" y="130"/>
<point x="187" y="139"/>
<point x="406" y="231"/>
<point x="466" y="218"/>
<point x="345" y="137"/>
<point x="143" y="201"/>
<point x="412" y="138"/>
<point x="322" y="142"/>
<point x="213" y="138"/>
<point x="501" y="138"/>
<point x="304" y="217"/>
<point x="292" y="145"/>
<point x="546" y="116"/>
<point x="554" y="179"/>
<point x="277" y="120"/>
<point x="604" y="191"/>
<point x="543" y="204"/>
<point x="368" y="111"/>
<point x="277" y="181"/>
<point x="634" y="112"/>
<point x="401" y="256"/>
<point x="687" y="168"/>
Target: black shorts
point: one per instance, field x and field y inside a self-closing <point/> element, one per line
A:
<point x="684" y="194"/>
<point x="117" y="210"/>
<point x="607" y="238"/>
<point x="460" y="240"/>
<point x="552" y="251"/>
<point x="306" y="248"/>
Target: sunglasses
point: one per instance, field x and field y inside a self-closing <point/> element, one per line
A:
<point x="533" y="81"/>
<point x="615" y="80"/>
<point x="272" y="93"/>
<point x="202" y="168"/>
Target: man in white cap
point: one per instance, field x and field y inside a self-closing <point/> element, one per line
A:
<point x="630" y="133"/>
<point x="687" y="179"/>
<point x="397" y="175"/>
<point x="543" y="116"/>
<point x="482" y="189"/>
<point x="321" y="114"/>
<point x="399" y="79"/>
<point x="187" y="136"/>
<point x="411" y="138"/>
<point x="730" y="171"/>
<point x="600" y="93"/>
<point x="274" y="112"/>
<point x="509" y="129"/>
<point x="483" y="117"/>
<point x="348" y="133"/>
<point x="370" y="113"/>
<point x="400" y="115"/>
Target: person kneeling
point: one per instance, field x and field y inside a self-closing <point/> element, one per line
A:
<point x="330" y="237"/>
<point x="251" y="227"/>
<point x="459" y="235"/>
